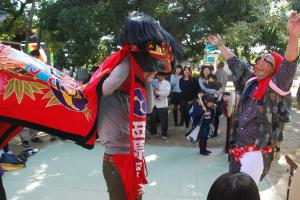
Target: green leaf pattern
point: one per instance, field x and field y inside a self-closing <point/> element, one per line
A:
<point x="21" y="88"/>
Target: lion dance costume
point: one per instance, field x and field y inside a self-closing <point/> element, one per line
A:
<point x="38" y="96"/>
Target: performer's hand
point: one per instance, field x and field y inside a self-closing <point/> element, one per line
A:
<point x="155" y="92"/>
<point x="293" y="26"/>
<point x="215" y="40"/>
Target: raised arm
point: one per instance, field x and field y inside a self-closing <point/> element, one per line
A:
<point x="287" y="70"/>
<point x="216" y="41"/>
<point x="241" y="71"/>
<point x="293" y="29"/>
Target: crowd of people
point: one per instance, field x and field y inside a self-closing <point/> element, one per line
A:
<point x="183" y="90"/>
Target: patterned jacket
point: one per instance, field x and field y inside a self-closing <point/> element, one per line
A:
<point x="258" y="122"/>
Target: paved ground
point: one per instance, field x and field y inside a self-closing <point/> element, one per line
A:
<point x="63" y="170"/>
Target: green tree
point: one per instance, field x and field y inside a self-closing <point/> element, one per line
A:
<point x="14" y="11"/>
<point x="82" y="26"/>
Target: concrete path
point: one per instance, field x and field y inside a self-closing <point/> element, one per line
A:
<point x="65" y="171"/>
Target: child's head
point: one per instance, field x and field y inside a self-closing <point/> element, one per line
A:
<point x="160" y="76"/>
<point x="226" y="96"/>
<point x="178" y="70"/>
<point x="234" y="186"/>
<point x="212" y="82"/>
<point x="212" y="78"/>
<point x="208" y="101"/>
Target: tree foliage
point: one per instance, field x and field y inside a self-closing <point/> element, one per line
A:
<point x="13" y="16"/>
<point x="85" y="32"/>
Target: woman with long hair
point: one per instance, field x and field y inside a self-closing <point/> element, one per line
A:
<point x="189" y="90"/>
<point x="204" y="81"/>
<point x="205" y="73"/>
<point x="176" y="94"/>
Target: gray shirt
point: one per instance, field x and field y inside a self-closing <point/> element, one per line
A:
<point x="113" y="113"/>
<point x="222" y="77"/>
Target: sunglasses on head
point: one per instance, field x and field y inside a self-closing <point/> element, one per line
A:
<point x="266" y="59"/>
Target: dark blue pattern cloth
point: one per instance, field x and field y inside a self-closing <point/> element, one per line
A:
<point x="249" y="117"/>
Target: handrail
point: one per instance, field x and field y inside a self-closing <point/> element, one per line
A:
<point x="293" y="167"/>
<point x="291" y="162"/>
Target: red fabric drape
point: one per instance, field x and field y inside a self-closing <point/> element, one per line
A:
<point x="38" y="96"/>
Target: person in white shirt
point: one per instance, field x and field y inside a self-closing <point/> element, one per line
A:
<point x="160" y="110"/>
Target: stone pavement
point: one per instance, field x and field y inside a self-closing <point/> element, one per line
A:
<point x="63" y="170"/>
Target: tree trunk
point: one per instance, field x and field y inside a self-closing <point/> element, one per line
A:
<point x="38" y="37"/>
<point x="29" y="25"/>
<point x="246" y="52"/>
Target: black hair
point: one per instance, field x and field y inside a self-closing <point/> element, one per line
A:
<point x="212" y="76"/>
<point x="234" y="186"/>
<point x="202" y="69"/>
<point x="226" y="93"/>
<point x="208" y="98"/>
<point x="179" y="67"/>
<point x="35" y="53"/>
<point x="190" y="70"/>
<point x="140" y="29"/>
<point x="94" y="69"/>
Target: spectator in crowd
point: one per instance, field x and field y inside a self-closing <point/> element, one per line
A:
<point x="215" y="85"/>
<point x="176" y="94"/>
<point x="83" y="76"/>
<point x="160" y="109"/>
<point x="202" y="113"/>
<point x="222" y="76"/>
<point x="189" y="90"/>
<point x="30" y="135"/>
<point x="204" y="79"/>
<point x="234" y="186"/>
<point x="209" y="85"/>
<point x="93" y="70"/>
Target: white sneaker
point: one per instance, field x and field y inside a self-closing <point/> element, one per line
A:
<point x="164" y="138"/>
